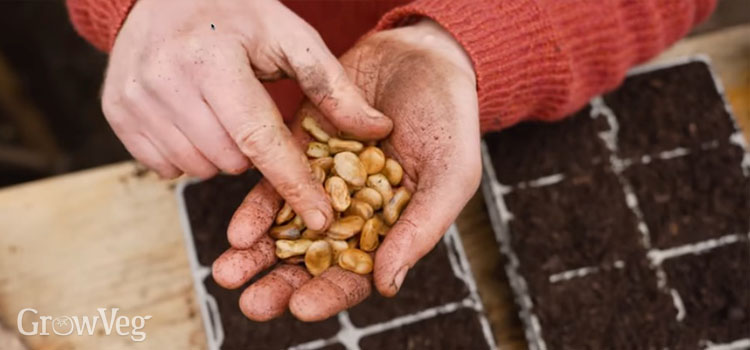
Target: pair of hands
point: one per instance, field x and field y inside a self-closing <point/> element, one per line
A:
<point x="183" y="93"/>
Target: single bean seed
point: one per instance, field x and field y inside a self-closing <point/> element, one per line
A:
<point x="326" y="163"/>
<point x="393" y="171"/>
<point x="370" y="196"/>
<point x="317" y="150"/>
<point x="392" y="209"/>
<point x="338" y="246"/>
<point x="347" y="166"/>
<point x="356" y="261"/>
<point x="286" y="248"/>
<point x="345" y="227"/>
<point x="313" y="128"/>
<point x="370" y="236"/>
<point x="285" y="214"/>
<point x="318" y="257"/>
<point x="373" y="159"/>
<point x="288" y="231"/>
<point x="319" y="175"/>
<point x="380" y="183"/>
<point x="360" y="208"/>
<point x="312" y="234"/>
<point x="338" y="192"/>
<point x="336" y="145"/>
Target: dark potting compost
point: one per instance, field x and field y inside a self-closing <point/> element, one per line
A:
<point x="626" y="225"/>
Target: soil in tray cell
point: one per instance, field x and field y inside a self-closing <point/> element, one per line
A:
<point x="531" y="150"/>
<point x="715" y="289"/>
<point x="460" y="329"/>
<point x="210" y="206"/>
<point x="693" y="198"/>
<point x="669" y="108"/>
<point x="579" y="222"/>
<point x="430" y="283"/>
<point x="613" y="309"/>
<point x="280" y="333"/>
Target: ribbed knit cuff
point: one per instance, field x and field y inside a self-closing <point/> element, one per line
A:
<point x="543" y="59"/>
<point x="99" y="21"/>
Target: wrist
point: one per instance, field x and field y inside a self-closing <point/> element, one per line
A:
<point x="429" y="35"/>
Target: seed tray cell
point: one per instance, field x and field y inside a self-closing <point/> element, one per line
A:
<point x="646" y="247"/>
<point x="693" y="198"/>
<point x="528" y="152"/>
<point x="439" y="290"/>
<point x="577" y="222"/>
<point x="714" y="288"/>
<point x="654" y="126"/>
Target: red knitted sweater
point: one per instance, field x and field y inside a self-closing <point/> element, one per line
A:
<point x="534" y="59"/>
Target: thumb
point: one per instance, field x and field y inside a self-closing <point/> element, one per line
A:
<point x="424" y="221"/>
<point x="325" y="82"/>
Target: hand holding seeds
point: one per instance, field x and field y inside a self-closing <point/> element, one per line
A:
<point x="349" y="167"/>
<point x="393" y="200"/>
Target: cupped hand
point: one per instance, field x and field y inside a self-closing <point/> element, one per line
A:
<point x="422" y="79"/>
<point x="183" y="93"/>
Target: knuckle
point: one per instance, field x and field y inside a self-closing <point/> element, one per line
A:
<point x="254" y="138"/>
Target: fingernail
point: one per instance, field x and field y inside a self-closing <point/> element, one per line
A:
<point x="314" y="219"/>
<point x="373" y="113"/>
<point x="400" y="275"/>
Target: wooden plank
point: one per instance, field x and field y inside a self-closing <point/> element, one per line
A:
<point x="100" y="238"/>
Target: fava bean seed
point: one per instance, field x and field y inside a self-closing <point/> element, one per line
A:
<point x="393" y="171"/>
<point x="338" y="191"/>
<point x="286" y="248"/>
<point x="370" y="236"/>
<point x="338" y="145"/>
<point x="345" y="227"/>
<point x="312" y="234"/>
<point x="347" y="166"/>
<point x="285" y="214"/>
<point x="313" y="128"/>
<point x="317" y="150"/>
<point x="355" y="260"/>
<point x="287" y="231"/>
<point x="373" y="160"/>
<point x="318" y="257"/>
<point x="370" y="196"/>
<point x="392" y="209"/>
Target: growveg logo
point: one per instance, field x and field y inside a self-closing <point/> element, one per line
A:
<point x="108" y="320"/>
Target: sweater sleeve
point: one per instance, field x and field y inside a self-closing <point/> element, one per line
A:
<point x="98" y="21"/>
<point x="544" y="59"/>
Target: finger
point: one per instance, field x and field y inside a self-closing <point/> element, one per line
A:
<point x="426" y="218"/>
<point x="169" y="140"/>
<point x="254" y="217"/>
<point x="325" y="82"/>
<point x="137" y="144"/>
<point x="268" y="297"/>
<point x="166" y="137"/>
<point x="198" y="123"/>
<point x="326" y="295"/>
<point x="246" y="110"/>
<point x="235" y="267"/>
<point x="145" y="152"/>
